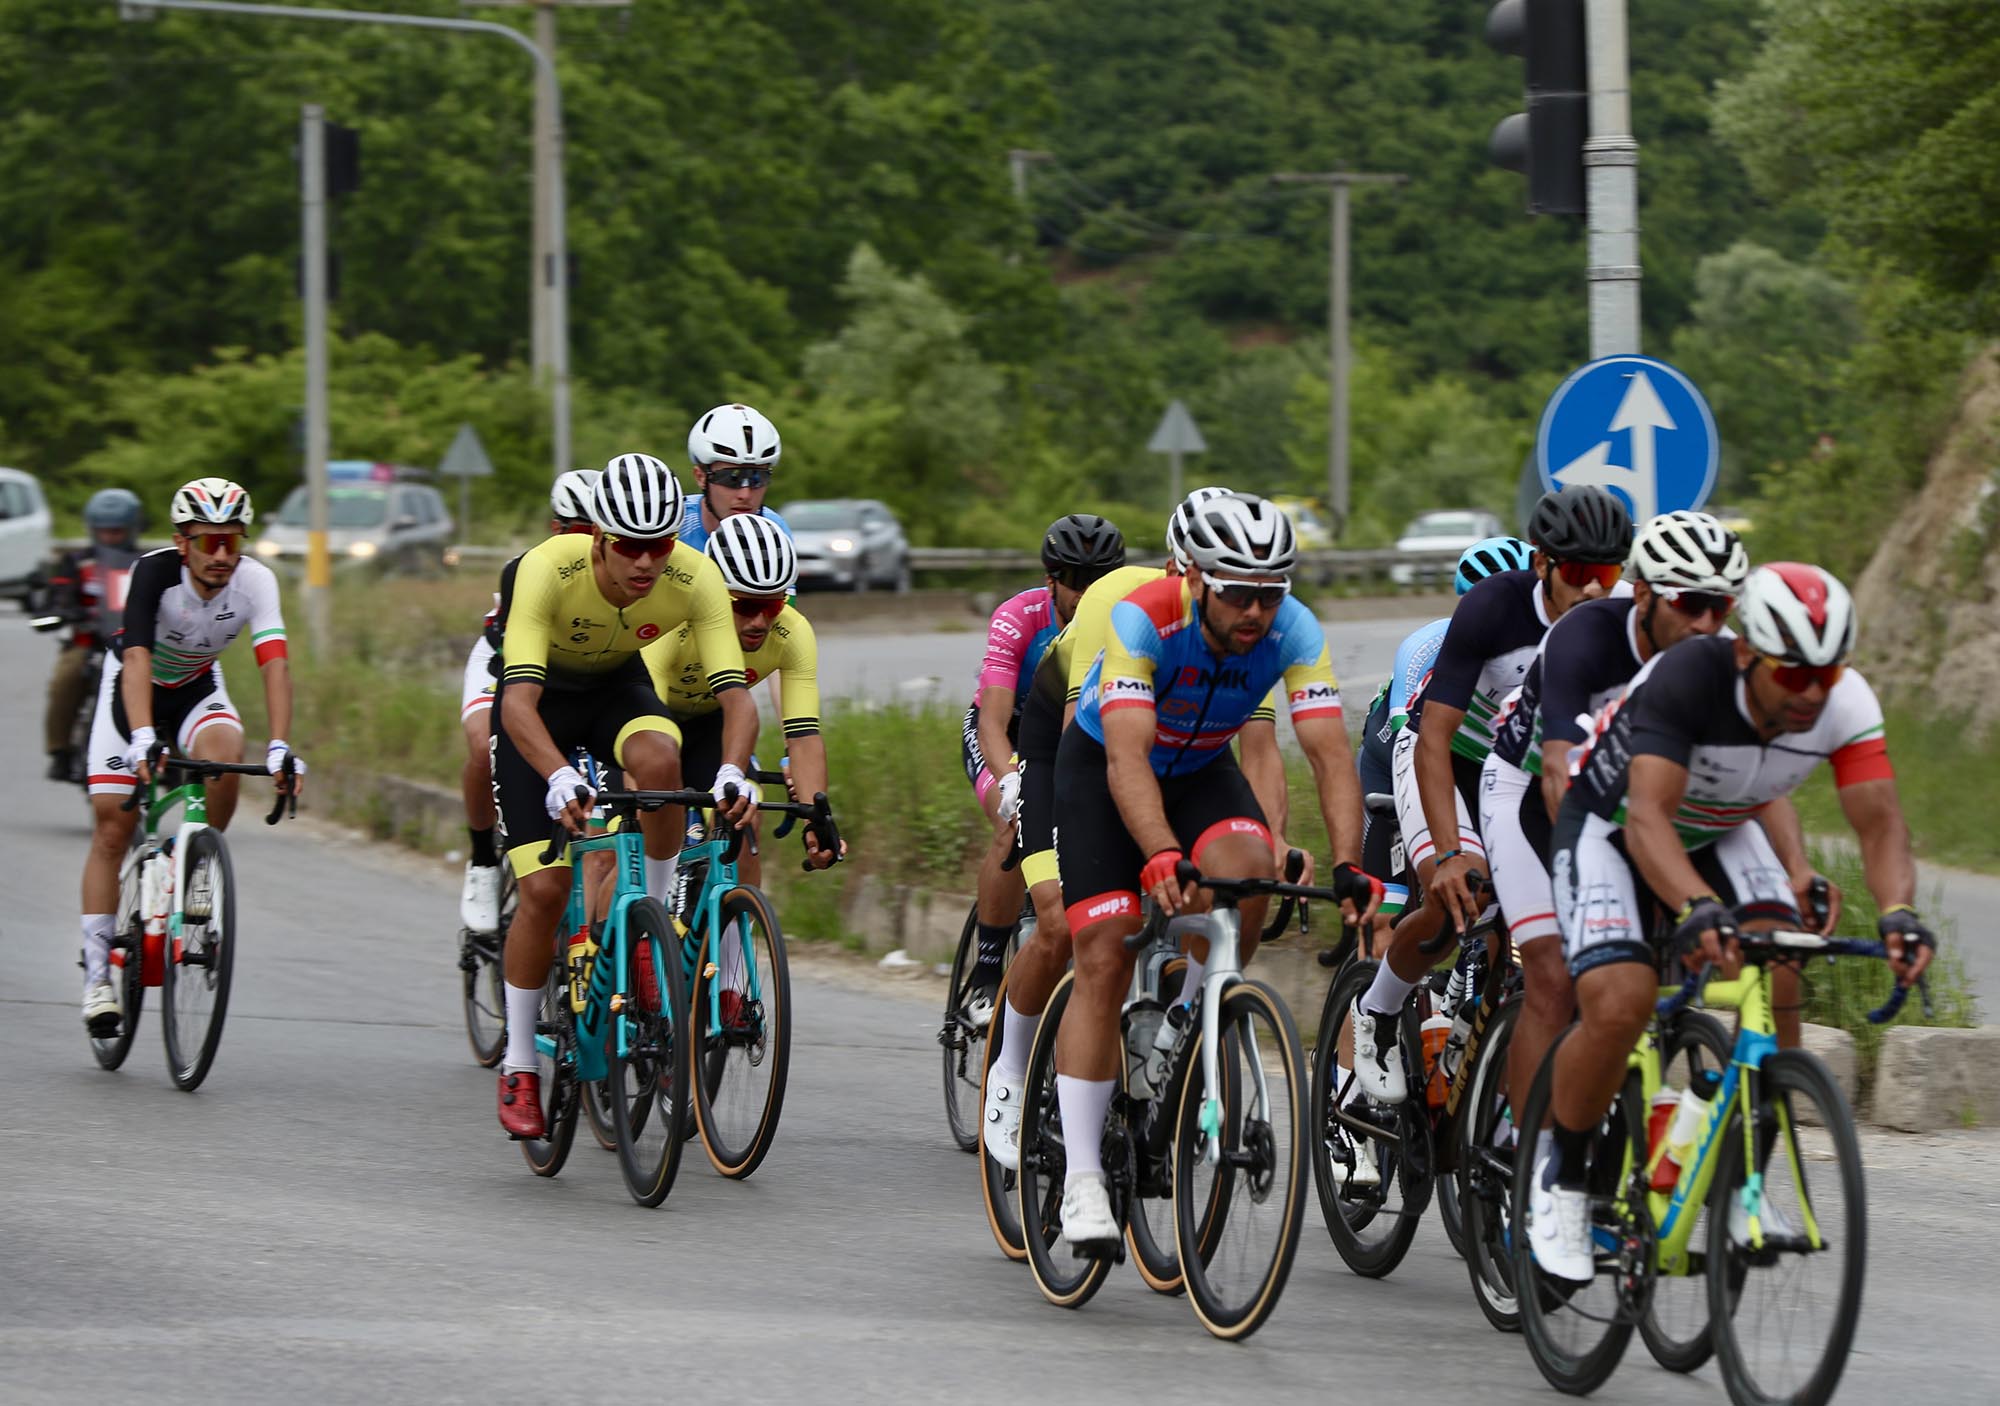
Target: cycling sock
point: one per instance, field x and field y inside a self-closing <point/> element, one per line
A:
<point x="660" y="879"/>
<point x="524" y="1008"/>
<point x="1017" y="1032"/>
<point x="1191" y="982"/>
<point x="1084" y="1102"/>
<point x="484" y="855"/>
<point x="1572" y="1153"/>
<point x="97" y="930"/>
<point x="1387" y="992"/>
<point x="992" y="952"/>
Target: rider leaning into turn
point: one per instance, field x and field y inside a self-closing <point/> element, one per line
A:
<point x="87" y="589"/>
<point x="1666" y="800"/>
<point x="1146" y="776"/>
<point x="185" y="604"/>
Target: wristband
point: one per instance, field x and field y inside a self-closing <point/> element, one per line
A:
<point x="1448" y="854"/>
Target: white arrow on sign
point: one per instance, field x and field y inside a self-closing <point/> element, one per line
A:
<point x="1640" y="412"/>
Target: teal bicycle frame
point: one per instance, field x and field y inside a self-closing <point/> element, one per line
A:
<point x="604" y="992"/>
<point x="703" y="955"/>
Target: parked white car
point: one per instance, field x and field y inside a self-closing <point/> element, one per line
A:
<point x="24" y="530"/>
<point x="1446" y="532"/>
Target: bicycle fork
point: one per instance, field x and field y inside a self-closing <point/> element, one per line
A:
<point x="1224" y="971"/>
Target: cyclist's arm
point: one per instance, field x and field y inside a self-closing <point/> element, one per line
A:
<point x="1432" y="765"/>
<point x="1128" y="742"/>
<point x="1264" y="768"/>
<point x="1324" y="740"/>
<point x="1787" y="834"/>
<point x="1555" y="773"/>
<point x="996" y="706"/>
<point x="267" y="642"/>
<point x="1653" y="793"/>
<point x="1876" y="813"/>
<point x="277" y="673"/>
<point x="527" y="662"/>
<point x="136" y="684"/>
<point x="151" y="579"/>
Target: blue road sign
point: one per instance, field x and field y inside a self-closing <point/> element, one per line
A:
<point x="1633" y="425"/>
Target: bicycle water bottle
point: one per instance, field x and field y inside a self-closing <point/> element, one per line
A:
<point x="1455" y="1042"/>
<point x="1690" y="1117"/>
<point x="1143" y="1020"/>
<point x="1166" y="1044"/>
<point x="577" y="960"/>
<point x="1658" y="1118"/>
<point x="1435" y="1031"/>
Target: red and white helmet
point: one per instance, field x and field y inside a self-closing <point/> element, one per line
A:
<point x="1798" y="613"/>
<point x="212" y="502"/>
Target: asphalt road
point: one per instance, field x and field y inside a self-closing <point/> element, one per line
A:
<point x="336" y="1217"/>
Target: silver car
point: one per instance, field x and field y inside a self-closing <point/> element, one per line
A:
<point x="851" y="543"/>
<point x="384" y="523"/>
<point x="1446" y="532"/>
<point x="24" y="530"/>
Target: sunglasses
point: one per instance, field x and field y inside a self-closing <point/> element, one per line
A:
<point x="751" y="608"/>
<point x="1241" y="595"/>
<point x="1797" y="678"/>
<point x="636" y="547"/>
<point x="1582" y="573"/>
<point x="216" y="544"/>
<point x="1695" y="604"/>
<point x="739" y="476"/>
<point x="1078" y="578"/>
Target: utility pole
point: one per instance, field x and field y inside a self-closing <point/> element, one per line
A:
<point x="1018" y="159"/>
<point x="1338" y="353"/>
<point x="312" y="202"/>
<point x="1611" y="171"/>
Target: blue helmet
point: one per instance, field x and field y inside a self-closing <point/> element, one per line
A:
<point x="1487" y="558"/>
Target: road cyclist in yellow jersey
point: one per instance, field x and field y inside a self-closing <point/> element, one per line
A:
<point x="581" y="613"/>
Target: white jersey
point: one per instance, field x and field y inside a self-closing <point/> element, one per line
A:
<point x="165" y="614"/>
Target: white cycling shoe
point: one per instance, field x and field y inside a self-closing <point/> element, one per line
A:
<point x="1000" y="1122"/>
<point x="1559" y="1226"/>
<point x="1772" y="1219"/>
<point x="1087" y="1222"/>
<point x="1379" y="1070"/>
<point x="479" y="900"/>
<point x="102" y="1014"/>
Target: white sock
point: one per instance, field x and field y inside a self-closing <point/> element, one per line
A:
<point x="1084" y="1102"/>
<point x="524" y="1008"/>
<point x="1191" y="982"/>
<point x="97" y="930"/>
<point x="1386" y="994"/>
<point x="1017" y="1032"/>
<point x="660" y="879"/>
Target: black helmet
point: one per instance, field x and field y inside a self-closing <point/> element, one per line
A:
<point x="1082" y="545"/>
<point x="113" y="508"/>
<point x="1582" y="523"/>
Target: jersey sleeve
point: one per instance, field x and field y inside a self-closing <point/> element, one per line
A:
<point x="151" y="579"/>
<point x="1088" y="630"/>
<point x="1573" y="665"/>
<point x="529" y="613"/>
<point x="1309" y="682"/>
<point x="1132" y="652"/>
<point x="798" y="672"/>
<point x="1465" y="648"/>
<point x="1672" y="707"/>
<point x="1267" y="711"/>
<point x="1863" y="754"/>
<point x="1007" y="638"/>
<point x="1414" y="658"/>
<point x="267" y="616"/>
<point x="714" y="630"/>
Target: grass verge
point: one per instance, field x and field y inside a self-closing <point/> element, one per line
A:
<point x="1947" y="776"/>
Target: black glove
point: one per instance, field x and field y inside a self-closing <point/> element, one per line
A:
<point x="1704" y="914"/>
<point x="1902" y="921"/>
<point x="1352" y="884"/>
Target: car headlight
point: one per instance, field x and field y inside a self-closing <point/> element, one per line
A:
<point x="267" y="548"/>
<point x="362" y="549"/>
<point x="840" y="544"/>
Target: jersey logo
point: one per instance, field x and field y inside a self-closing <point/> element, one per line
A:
<point x="1315" y="695"/>
<point x="648" y="631"/>
<point x="1007" y="628"/>
<point x="1223" y="676"/>
<point x="225" y="615"/>
<point x="1127" y="688"/>
<point x="565" y="572"/>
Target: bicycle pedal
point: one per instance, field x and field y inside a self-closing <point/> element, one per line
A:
<point x="1111" y="1251"/>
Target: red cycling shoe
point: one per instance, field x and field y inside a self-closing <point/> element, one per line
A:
<point x="521" y="1105"/>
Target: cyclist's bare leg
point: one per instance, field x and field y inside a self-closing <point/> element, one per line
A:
<point x="1039" y="965"/>
<point x="1417" y="926"/>
<point x="1615" y="1001"/>
<point x="475" y="779"/>
<point x="110" y="836"/>
<point x="1237" y="857"/>
<point x="653" y="763"/>
<point x="1089" y="1045"/>
<point x="531" y="937"/>
<point x="1786" y="1015"/>
<point x="1546" y="1005"/>
<point x="999" y="889"/>
<point x="218" y="742"/>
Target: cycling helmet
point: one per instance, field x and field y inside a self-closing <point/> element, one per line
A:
<point x="1582" y="523"/>
<point x="1798" y="613"/>
<point x="1082" y="541"/>
<point x="638" y="496"/>
<point x="211" y="502"/>
<point x="1242" y="535"/>
<point x="117" y="509"/>
<point x="1177" y="522"/>
<point x="756" y="556"/>
<point x="569" y="500"/>
<point x="1691" y="551"/>
<point x="734" y="434"/>
<point x="1490" y="558"/>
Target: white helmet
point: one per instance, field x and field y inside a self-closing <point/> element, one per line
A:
<point x="1691" y="551"/>
<point x="756" y="557"/>
<point x="569" y="500"/>
<point x="638" y="496"/>
<point x="212" y="502"/>
<point x="1798" y="613"/>
<point x="734" y="434"/>
<point x="1177" y="521"/>
<point x="1242" y="535"/>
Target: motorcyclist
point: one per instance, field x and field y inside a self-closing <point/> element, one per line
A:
<point x="86" y="589"/>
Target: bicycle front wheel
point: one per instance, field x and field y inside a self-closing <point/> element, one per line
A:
<point x="130" y="984"/>
<point x="1372" y="1188"/>
<point x="483" y="986"/>
<point x="647" y="1078"/>
<point x="1784" y="1311"/>
<point x="557" y="1028"/>
<point x="1486" y="1137"/>
<point x="1066" y="1279"/>
<point x="740" y="1034"/>
<point x="996" y="1183"/>
<point x="195" y="994"/>
<point x="1675" y="1326"/>
<point x="1257" y="1139"/>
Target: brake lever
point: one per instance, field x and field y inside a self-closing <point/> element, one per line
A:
<point x="559" y="841"/>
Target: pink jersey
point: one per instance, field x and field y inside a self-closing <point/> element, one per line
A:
<point x="1020" y="631"/>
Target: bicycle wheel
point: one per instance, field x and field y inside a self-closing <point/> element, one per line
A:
<point x="647" y="1083"/>
<point x="964" y="1057"/>
<point x="484" y="986"/>
<point x="129" y="982"/>
<point x="595" y="1099"/>
<point x="1371" y="1225"/>
<point x="996" y="1183"/>
<point x="558" y="1070"/>
<point x="1066" y="1280"/>
<point x="1578" y="1332"/>
<point x="1784" y="1313"/>
<point x="195" y="989"/>
<point x="1485" y="1174"/>
<point x="741" y="1045"/>
<point x="1675" y="1325"/>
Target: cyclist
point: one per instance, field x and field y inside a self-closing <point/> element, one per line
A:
<point x="732" y="452"/>
<point x="580" y="614"/>
<point x="1662" y="801"/>
<point x="1076" y="551"/>
<point x="88" y="588"/>
<point x="1581" y="537"/>
<point x="1687" y="571"/>
<point x="185" y="604"/>
<point x="1146" y="775"/>
<point x="479" y="899"/>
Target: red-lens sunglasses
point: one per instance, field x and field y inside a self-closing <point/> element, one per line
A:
<point x="636" y="547"/>
<point x="758" y="606"/>
<point x="1695" y="604"/>
<point x="1582" y="573"/>
<point x="216" y="544"/>
<point x="1797" y="678"/>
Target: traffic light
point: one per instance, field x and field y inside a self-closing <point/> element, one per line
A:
<point x="1546" y="142"/>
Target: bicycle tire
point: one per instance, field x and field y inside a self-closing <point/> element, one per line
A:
<point x="996" y="1183"/>
<point x="199" y="964"/>
<point x="723" y="1061"/>
<point x="1668" y="1328"/>
<point x="1346" y="1214"/>
<point x="483" y="992"/>
<point x="130" y="984"/>
<point x="646" y="1085"/>
<point x="596" y="1106"/>
<point x="1154" y="1251"/>
<point x="1734" y="1281"/>
<point x="1540" y="1297"/>
<point x="1253" y="1151"/>
<point x="545" y="1156"/>
<point x="1484" y="1174"/>
<point x="1066" y="1280"/>
<point x="960" y="1055"/>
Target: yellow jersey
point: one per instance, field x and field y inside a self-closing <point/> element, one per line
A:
<point x="681" y="677"/>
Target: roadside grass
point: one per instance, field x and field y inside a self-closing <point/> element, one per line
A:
<point x="1948" y="776"/>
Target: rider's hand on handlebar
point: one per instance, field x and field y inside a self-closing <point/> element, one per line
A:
<point x="1010" y="797"/>
<point x="1705" y="935"/>
<point x="276" y="752"/>
<point x="742" y="811"/>
<point x="1901" y="931"/>
<point x="139" y="753"/>
<point x="817" y="855"/>
<point x="1360" y="893"/>
<point x="1159" y="881"/>
<point x="562" y="803"/>
<point x="1452" y="881"/>
<point x="1803" y="892"/>
<point x="1282" y="851"/>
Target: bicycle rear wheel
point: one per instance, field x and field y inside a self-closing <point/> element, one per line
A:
<point x="1486" y="1139"/>
<point x="1784" y="1314"/>
<point x="647" y="1082"/>
<point x="1675" y="1326"/>
<point x="195" y="989"/>
<point x="558" y="1070"/>
<point x="484" y="987"/>
<point x="129" y="982"/>
<point x="1236" y="1270"/>
<point x="1066" y="1280"/>
<point x="996" y="1184"/>
<point x="741" y="1044"/>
